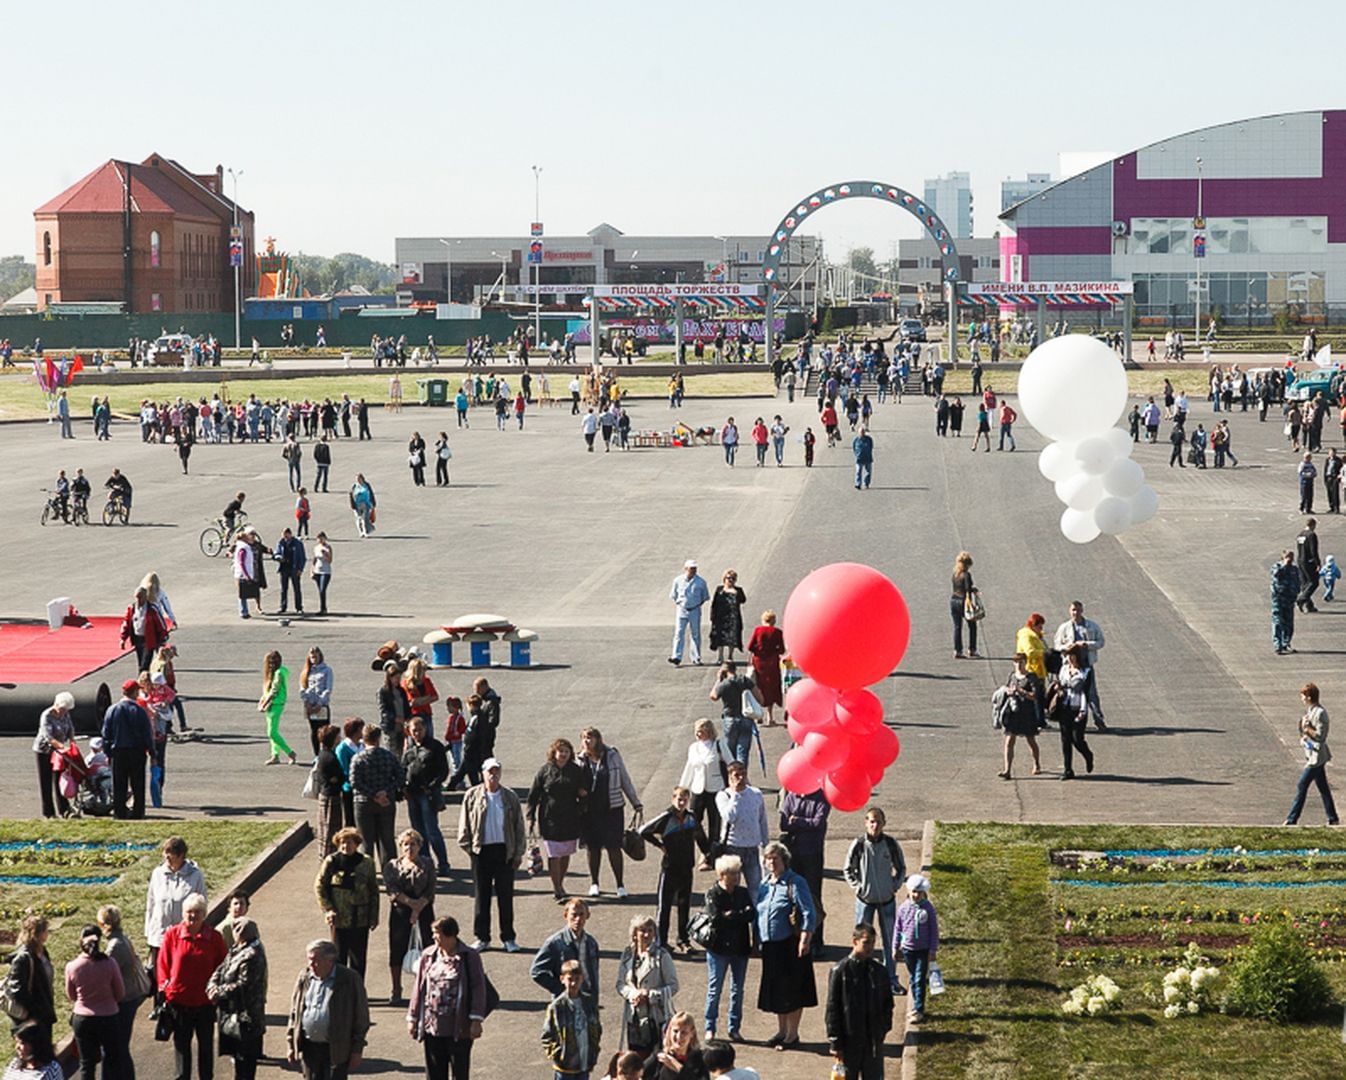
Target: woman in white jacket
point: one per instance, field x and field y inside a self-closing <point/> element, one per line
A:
<point x="172" y="881"/>
<point x="647" y="981"/>
<point x="704" y="777"/>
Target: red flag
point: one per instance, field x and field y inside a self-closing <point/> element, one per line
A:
<point x="78" y="365"/>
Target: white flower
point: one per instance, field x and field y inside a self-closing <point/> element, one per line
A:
<point x="1194" y="1007"/>
<point x="1172" y="1012"/>
<point x="1181" y="975"/>
<point x="1096" y="1005"/>
<point x="1071" y="1007"/>
<point x="1172" y="993"/>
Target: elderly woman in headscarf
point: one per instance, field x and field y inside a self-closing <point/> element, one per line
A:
<point x="238" y="989"/>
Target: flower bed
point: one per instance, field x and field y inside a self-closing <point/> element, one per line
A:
<point x="1035" y="918"/>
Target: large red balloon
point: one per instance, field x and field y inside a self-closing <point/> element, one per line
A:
<point x="846" y="625"/>
<point x="859" y="712"/>
<point x="877" y="750"/>
<point x="854" y="775"/>
<point x="797" y="730"/>
<point x="846" y="799"/>
<point x="811" y="703"/>
<point x="826" y="752"/>
<point x="796" y="773"/>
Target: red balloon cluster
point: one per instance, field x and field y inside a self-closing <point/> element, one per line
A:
<point x="846" y="626"/>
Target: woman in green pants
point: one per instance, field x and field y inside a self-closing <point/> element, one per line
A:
<point x="275" y="682"/>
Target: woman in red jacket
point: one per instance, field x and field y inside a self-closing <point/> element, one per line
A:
<point x="767" y="646"/>
<point x="144" y="628"/>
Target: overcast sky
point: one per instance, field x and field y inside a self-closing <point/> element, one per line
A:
<point x="355" y="123"/>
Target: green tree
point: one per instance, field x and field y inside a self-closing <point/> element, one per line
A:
<point x="862" y="259"/>
<point x="15" y="275"/>
<point x="321" y="274"/>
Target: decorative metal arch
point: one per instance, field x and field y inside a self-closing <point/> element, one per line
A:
<point x="860" y="189"/>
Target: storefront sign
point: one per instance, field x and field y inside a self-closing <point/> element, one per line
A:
<point x="1035" y="288"/>
<point x="679" y="289"/>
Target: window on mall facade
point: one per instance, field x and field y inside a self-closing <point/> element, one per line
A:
<point x="1252" y="296"/>
<point x="1231" y="236"/>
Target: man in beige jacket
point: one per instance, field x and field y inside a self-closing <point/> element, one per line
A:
<point x="491" y="831"/>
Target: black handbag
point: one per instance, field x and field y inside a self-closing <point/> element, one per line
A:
<point x="633" y="844"/>
<point x="701" y="929"/>
<point x="164" y="1024"/>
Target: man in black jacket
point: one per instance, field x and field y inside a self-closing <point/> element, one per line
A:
<point x="290" y="559"/>
<point x="322" y="459"/>
<point x="427" y="767"/>
<point x="859" y="1009"/>
<point x="678" y="834"/>
<point x="1309" y="563"/>
<point x="128" y="738"/>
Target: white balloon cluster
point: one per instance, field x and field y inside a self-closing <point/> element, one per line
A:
<point x="1072" y="389"/>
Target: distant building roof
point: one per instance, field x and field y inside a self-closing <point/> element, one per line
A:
<point x="103" y="192"/>
<point x="21" y="301"/>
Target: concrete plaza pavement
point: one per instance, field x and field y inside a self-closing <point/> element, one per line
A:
<point x="582" y="547"/>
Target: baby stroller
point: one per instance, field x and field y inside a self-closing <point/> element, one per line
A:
<point x="87" y="784"/>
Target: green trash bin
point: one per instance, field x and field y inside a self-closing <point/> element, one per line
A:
<point x="433" y="391"/>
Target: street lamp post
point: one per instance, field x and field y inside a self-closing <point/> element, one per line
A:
<point x="448" y="269"/>
<point x="1196" y="340"/>
<point x="238" y="299"/>
<point x="537" y="266"/>
<point x="502" y="258"/>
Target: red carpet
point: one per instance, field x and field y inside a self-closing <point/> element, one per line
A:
<point x="30" y="653"/>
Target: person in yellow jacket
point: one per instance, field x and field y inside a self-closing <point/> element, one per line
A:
<point x="1029" y="642"/>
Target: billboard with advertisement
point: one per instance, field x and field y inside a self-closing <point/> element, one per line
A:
<point x="661" y="331"/>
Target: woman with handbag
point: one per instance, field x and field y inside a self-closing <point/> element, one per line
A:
<point x="555" y="809"/>
<point x="238" y="989"/>
<point x="1020" y="716"/>
<point x="726" y="616"/>
<point x="704" y="776"/>
<point x="410" y="882"/>
<point x="961" y="589"/>
<point x="610" y="787"/>
<point x="416" y="458"/>
<point x="28" y="986"/>
<point x="315" y="691"/>
<point x="727" y="930"/>
<point x="329" y="778"/>
<point x="136" y="983"/>
<point x="785" y="922"/>
<point x="443" y="453"/>
<point x="647" y="981"/>
<point x="448" y="1003"/>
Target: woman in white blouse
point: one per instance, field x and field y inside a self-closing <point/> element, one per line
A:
<point x="647" y="981"/>
<point x="703" y="776"/>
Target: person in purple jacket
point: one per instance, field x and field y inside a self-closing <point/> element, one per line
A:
<point x="917" y="941"/>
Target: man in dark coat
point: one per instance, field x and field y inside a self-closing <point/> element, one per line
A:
<point x="128" y="739"/>
<point x="1285" y="585"/>
<point x="859" y="1009"/>
<point x="1308" y="562"/>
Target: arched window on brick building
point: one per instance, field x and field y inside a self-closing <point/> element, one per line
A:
<point x="154" y="248"/>
<point x="46" y="249"/>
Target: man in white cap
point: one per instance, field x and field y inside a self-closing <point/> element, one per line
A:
<point x="689" y="592"/>
<point x="491" y="831"/>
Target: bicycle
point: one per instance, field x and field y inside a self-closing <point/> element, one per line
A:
<point x="217" y="537"/>
<point x="54" y="508"/>
<point x="116" y="510"/>
<point x="79" y="509"/>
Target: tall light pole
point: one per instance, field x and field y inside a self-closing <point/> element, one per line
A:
<point x="724" y="255"/>
<point x="448" y="269"/>
<point x="1196" y="339"/>
<point x="537" y="266"/>
<point x="234" y="174"/>
<point x="497" y="255"/>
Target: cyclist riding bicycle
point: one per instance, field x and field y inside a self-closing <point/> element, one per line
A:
<point x="119" y="487"/>
<point x="80" y="489"/>
<point x="232" y="511"/>
<point x="61" y="496"/>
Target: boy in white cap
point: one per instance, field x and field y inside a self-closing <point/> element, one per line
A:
<point x="917" y="940"/>
<point x="689" y="592"/>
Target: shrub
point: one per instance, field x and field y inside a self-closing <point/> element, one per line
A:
<point x="1096" y="995"/>
<point x="1275" y="978"/>
<point x="1190" y="987"/>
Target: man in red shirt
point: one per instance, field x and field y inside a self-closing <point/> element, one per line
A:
<point x="1007" y="418"/>
<point x="189" y="955"/>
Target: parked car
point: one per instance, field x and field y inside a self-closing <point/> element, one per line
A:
<point x="912" y="330"/>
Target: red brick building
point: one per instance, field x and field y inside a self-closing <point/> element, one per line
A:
<point x="174" y="225"/>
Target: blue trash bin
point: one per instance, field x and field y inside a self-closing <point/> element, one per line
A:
<point x="520" y="653"/>
<point x="481" y="654"/>
<point x="441" y="654"/>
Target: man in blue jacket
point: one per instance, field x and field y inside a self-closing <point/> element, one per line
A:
<point x="291" y="559"/>
<point x="863" y="447"/>
<point x="128" y="739"/>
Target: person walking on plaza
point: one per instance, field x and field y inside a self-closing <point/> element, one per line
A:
<point x="491" y="831"/>
<point x="330" y="778"/>
<point x="1308" y="561"/>
<point x="726" y="616"/>
<point x="703" y="776"/>
<point x="426" y="765"/>
<point x="610" y="788"/>
<point x="689" y="593"/>
<point x="803" y="829"/>
<point x="448" y="1003"/>
<point x="322" y="462"/>
<point x="728" y="690"/>
<point x="364" y="505"/>
<point x="55" y="732"/>
<point x="348" y="894"/>
<point x="572" y="1031"/>
<point x="128" y="738"/>
<point x="863" y="448"/>
<point x="1177" y="438"/>
<point x="1307" y="472"/>
<point x="1078" y="630"/>
<point x="859" y="1009"/>
<point x="556" y="803"/>
<point x="315" y="691"/>
<point x="766" y="647"/>
<point x="647" y="981"/>
<point x="29" y="981"/>
<point x="290" y="562"/>
<point x="172" y="882"/>
<point x="293" y="454"/>
<point x="917" y="932"/>
<point x="962" y="587"/>
<point x="377" y="780"/>
<point x="677" y="834"/>
<point x="94" y="985"/>
<point x="190" y="953"/>
<point x="246" y="571"/>
<point x="785" y="921"/>
<point x="570" y="943"/>
<point x="744" y="823"/>
<point x="409" y="881"/>
<point x="875" y="869"/>
<point x="329" y="1016"/>
<point x="322" y="569"/>
<point x="1285" y="588"/>
<point x="733" y="935"/>
<point x="238" y="990"/>
<point x="135" y="981"/>
<point x="1007" y="418"/>
<point x="1068" y="705"/>
<point x="275" y="693"/>
<point x="1313" y="726"/>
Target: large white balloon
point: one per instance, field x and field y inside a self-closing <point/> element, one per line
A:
<point x="1124" y="478"/>
<point x="1094" y="455"/>
<point x="1072" y="387"/>
<point x="1120" y="440"/>
<point x="1144" y="505"/>
<point x="1078" y="526"/>
<point x="1056" y="461"/>
<point x="1080" y="491"/>
<point x="1112" y="515"/>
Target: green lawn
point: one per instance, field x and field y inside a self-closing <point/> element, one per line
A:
<point x="221" y="848"/>
<point x="1012" y="950"/>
